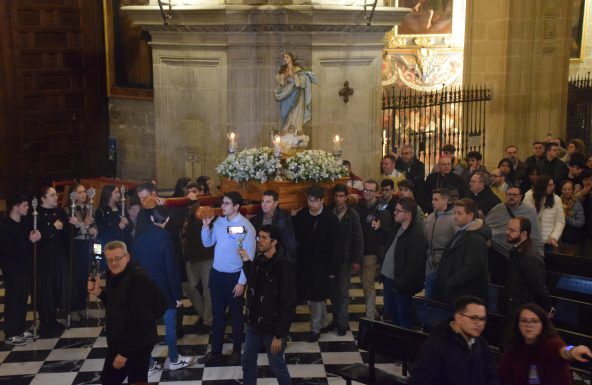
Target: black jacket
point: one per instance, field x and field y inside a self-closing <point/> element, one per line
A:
<point x="350" y="247"/>
<point x="375" y="240"/>
<point x="415" y="172"/>
<point x="410" y="259"/>
<point x="284" y="221"/>
<point x="556" y="169"/>
<point x="435" y="180"/>
<point x="485" y="200"/>
<point x="129" y="299"/>
<point x="271" y="293"/>
<point x="317" y="240"/>
<point x="526" y="278"/>
<point x="15" y="248"/>
<point x="463" y="268"/>
<point x="445" y="359"/>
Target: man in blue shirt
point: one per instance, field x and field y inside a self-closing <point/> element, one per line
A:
<point x="227" y="283"/>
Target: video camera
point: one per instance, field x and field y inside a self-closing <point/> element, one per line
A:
<point x="95" y="263"/>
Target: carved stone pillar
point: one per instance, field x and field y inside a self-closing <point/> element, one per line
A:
<point x="520" y="49"/>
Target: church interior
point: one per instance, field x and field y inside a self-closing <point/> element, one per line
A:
<point x="128" y="92"/>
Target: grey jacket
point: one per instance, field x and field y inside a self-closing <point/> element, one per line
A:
<point x="439" y="229"/>
<point x="497" y="219"/>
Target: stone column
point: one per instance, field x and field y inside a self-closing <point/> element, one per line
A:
<point x="520" y="49"/>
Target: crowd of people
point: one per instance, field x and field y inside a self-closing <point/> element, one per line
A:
<point x="450" y="233"/>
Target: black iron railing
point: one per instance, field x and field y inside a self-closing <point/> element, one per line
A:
<point x="428" y="121"/>
<point x="579" y="109"/>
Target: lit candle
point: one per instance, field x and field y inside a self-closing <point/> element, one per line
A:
<point x="277" y="150"/>
<point x="232" y="137"/>
<point x="337" y="144"/>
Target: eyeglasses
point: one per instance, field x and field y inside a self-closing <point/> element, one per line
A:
<point x="513" y="194"/>
<point x="532" y="321"/>
<point x="367" y="190"/>
<point x="475" y="318"/>
<point x="314" y="200"/>
<point x="226" y="203"/>
<point x="115" y="260"/>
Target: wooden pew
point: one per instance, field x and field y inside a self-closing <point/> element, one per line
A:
<point x="568" y="264"/>
<point x="387" y="340"/>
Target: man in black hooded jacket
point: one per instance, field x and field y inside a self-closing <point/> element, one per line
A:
<point x="271" y="300"/>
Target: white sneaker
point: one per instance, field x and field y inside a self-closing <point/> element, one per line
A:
<point x="28" y="336"/>
<point x="16" y="341"/>
<point x="154" y="368"/>
<point x="182" y="362"/>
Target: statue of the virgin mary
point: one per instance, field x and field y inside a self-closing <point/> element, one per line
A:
<point x="293" y="92"/>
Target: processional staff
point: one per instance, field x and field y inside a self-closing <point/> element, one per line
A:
<point x="34" y="294"/>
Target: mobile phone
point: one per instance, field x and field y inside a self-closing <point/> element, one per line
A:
<point x="97" y="249"/>
<point x="234" y="230"/>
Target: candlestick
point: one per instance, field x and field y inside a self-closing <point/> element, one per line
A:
<point x="91" y="192"/>
<point x="34" y="205"/>
<point x="73" y="204"/>
<point x="122" y="192"/>
<point x="277" y="150"/>
<point x="337" y="150"/>
<point x="232" y="142"/>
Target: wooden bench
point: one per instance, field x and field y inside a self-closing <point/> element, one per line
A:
<point x="387" y="340"/>
<point x="568" y="264"/>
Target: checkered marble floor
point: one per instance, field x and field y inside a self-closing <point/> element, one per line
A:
<point x="77" y="356"/>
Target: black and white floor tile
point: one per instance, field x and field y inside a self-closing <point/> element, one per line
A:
<point x="77" y="357"/>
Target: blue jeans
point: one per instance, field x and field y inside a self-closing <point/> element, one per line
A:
<point x="430" y="285"/>
<point x="397" y="306"/>
<point x="170" y="334"/>
<point x="276" y="361"/>
<point x="221" y="286"/>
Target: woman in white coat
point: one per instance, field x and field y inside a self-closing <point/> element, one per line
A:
<point x="549" y="210"/>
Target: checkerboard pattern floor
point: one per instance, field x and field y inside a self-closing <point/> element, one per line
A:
<point x="77" y="356"/>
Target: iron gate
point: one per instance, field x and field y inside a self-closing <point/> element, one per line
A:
<point x="579" y="109"/>
<point x="428" y="121"/>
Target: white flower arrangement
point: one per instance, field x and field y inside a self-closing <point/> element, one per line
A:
<point x="314" y="165"/>
<point x="258" y="164"/>
<point x="252" y="164"/>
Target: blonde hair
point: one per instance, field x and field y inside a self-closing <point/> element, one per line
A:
<point x="116" y="245"/>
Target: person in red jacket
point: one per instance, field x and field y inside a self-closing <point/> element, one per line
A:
<point x="536" y="354"/>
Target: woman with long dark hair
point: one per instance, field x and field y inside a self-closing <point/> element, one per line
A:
<point x="549" y="210"/>
<point x="84" y="233"/>
<point x="507" y="167"/>
<point x="530" y="176"/>
<point x="111" y="223"/>
<point x="535" y="353"/>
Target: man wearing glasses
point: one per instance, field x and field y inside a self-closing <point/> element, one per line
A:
<point x="455" y="353"/>
<point x="229" y="234"/>
<point x="317" y="234"/>
<point x="130" y="299"/>
<point x="497" y="219"/>
<point x="377" y="223"/>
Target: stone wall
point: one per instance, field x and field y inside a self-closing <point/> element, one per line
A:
<point x="520" y="50"/>
<point x="131" y="122"/>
